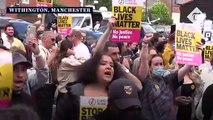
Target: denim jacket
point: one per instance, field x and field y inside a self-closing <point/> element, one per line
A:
<point x="37" y="77"/>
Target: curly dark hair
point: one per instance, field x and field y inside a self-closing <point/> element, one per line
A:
<point x="87" y="72"/>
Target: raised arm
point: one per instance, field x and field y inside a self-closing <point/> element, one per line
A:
<point x="130" y="76"/>
<point x="105" y="37"/>
<point x="40" y="75"/>
<point x="143" y="71"/>
<point x="183" y="71"/>
<point x="187" y="68"/>
<point x="40" y="62"/>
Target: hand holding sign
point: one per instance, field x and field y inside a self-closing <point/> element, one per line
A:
<point x="199" y="45"/>
<point x="111" y="22"/>
<point x="33" y="44"/>
<point x="172" y="38"/>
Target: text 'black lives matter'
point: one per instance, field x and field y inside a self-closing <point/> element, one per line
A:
<point x="49" y="10"/>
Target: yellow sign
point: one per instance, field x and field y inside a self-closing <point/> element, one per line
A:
<point x="64" y="24"/>
<point x="186" y="41"/>
<point x="186" y="38"/>
<point x="128" y="17"/>
<point x="6" y="77"/>
<point x="208" y="52"/>
<point x="90" y="106"/>
<point x="45" y="1"/>
<point x="64" y="21"/>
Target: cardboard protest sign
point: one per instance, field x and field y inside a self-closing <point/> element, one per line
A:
<point x="6" y="78"/>
<point x="186" y="36"/>
<point x="90" y="106"/>
<point x="208" y="51"/>
<point x="64" y="24"/>
<point x="207" y="31"/>
<point x="129" y="16"/>
<point x="44" y="3"/>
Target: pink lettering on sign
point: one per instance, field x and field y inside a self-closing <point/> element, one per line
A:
<point x="189" y="58"/>
<point x="64" y="31"/>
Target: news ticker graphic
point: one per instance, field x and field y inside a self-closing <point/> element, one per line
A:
<point x="49" y="10"/>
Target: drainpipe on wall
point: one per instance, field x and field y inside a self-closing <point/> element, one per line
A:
<point x="171" y="7"/>
<point x="146" y="12"/>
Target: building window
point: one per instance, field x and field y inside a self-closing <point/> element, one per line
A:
<point x="181" y="2"/>
<point x="25" y="1"/>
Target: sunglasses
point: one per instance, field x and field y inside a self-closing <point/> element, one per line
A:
<point x="53" y="39"/>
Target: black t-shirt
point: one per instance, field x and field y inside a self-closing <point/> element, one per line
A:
<point x="69" y="106"/>
<point x="110" y="115"/>
<point x="22" y="99"/>
<point x="207" y="103"/>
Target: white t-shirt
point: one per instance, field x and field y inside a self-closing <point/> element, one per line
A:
<point x="81" y="51"/>
<point x="207" y="77"/>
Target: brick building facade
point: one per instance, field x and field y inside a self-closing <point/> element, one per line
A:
<point x="174" y="10"/>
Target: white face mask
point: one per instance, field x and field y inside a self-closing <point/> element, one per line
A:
<point x="160" y="71"/>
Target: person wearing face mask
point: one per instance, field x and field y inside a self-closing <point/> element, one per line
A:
<point x="159" y="85"/>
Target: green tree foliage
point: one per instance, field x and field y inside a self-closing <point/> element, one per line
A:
<point x="56" y="4"/>
<point x="160" y="10"/>
<point x="105" y="3"/>
<point x="144" y="18"/>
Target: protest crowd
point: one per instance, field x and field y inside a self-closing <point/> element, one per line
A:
<point x="62" y="78"/>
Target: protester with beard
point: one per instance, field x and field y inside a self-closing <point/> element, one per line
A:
<point x="9" y="40"/>
<point x="123" y="102"/>
<point x="132" y="49"/>
<point x="112" y="49"/>
<point x="159" y="85"/>
<point x="130" y="53"/>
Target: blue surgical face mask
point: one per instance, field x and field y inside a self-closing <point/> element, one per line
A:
<point x="160" y="71"/>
